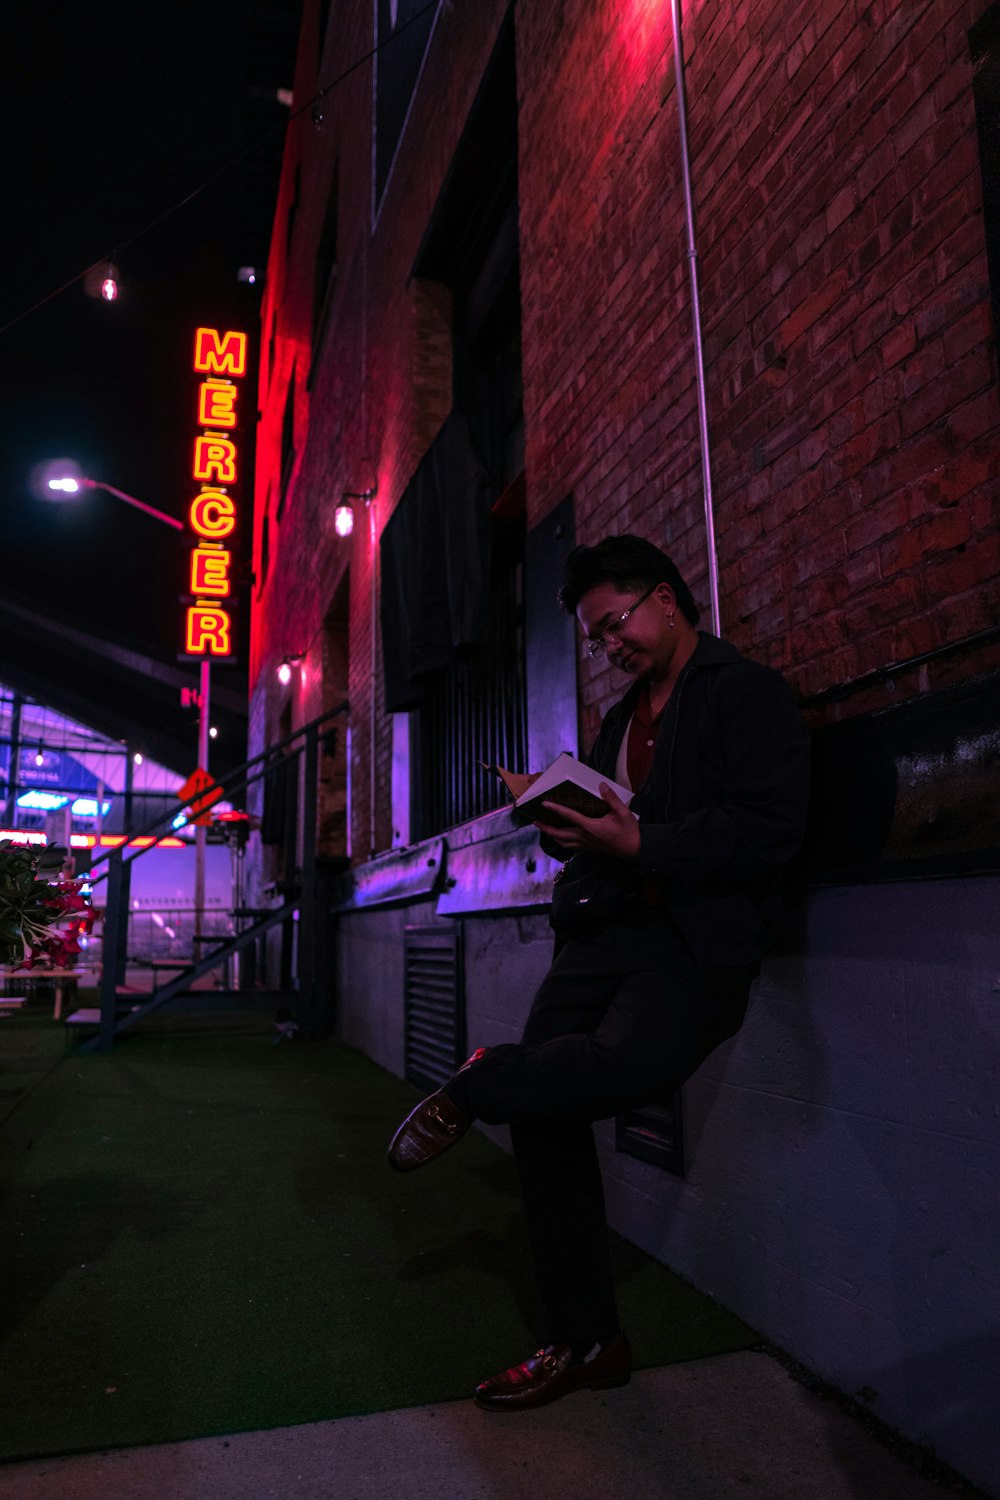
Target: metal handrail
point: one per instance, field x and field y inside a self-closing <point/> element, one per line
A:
<point x="234" y="781"/>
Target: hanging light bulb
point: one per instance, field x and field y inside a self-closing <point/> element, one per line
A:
<point x="102" y="280"/>
<point x="137" y="758"/>
<point x="40" y="754"/>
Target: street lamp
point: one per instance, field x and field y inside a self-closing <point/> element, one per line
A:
<point x="63" y="479"/>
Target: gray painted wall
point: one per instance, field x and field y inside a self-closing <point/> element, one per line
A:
<point x="842" y="1151"/>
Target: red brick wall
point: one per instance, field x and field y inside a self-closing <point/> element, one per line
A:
<point x="850" y="357"/>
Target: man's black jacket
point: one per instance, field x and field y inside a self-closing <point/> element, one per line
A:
<point x="723" y="810"/>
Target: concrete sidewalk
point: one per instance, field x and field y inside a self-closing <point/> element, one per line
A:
<point x="724" y="1428"/>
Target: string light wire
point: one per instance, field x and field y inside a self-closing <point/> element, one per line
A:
<point x="226" y="166"/>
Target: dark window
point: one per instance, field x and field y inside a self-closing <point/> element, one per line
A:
<point x="402" y="31"/>
<point x="487" y="353"/>
<point x="265" y="552"/>
<point x="984" y="45"/>
<point x="293" y="211"/>
<point x="324" y="16"/>
<point x="474" y="709"/>
<point x="326" y="266"/>
<point x="287" y="443"/>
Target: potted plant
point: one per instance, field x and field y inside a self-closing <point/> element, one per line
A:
<point x="41" y="921"/>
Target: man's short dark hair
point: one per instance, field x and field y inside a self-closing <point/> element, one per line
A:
<point x="628" y="563"/>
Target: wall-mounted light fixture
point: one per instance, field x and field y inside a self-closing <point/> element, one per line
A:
<point x="343" y="516"/>
<point x="285" y="667"/>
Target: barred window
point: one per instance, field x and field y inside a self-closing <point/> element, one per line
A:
<point x="472" y="707"/>
<point x="474" y="711"/>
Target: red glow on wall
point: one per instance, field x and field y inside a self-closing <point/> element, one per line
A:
<point x="644" y="26"/>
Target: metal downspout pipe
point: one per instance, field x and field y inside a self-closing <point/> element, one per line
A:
<point x="692" y="255"/>
<point x="372" y="724"/>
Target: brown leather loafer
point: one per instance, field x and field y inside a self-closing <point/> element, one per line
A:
<point x="551" y="1374"/>
<point x="431" y="1129"/>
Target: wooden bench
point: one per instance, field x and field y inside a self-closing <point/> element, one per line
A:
<point x="65" y="981"/>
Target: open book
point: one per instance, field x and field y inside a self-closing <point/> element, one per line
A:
<point x="567" y="781"/>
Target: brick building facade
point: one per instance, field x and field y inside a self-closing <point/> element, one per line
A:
<point x="489" y="214"/>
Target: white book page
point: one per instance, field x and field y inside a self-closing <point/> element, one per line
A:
<point x="566" y="767"/>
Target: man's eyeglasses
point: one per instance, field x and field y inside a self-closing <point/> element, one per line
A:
<point x="599" y="643"/>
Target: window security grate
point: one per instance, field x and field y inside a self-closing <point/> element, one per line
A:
<point x="471" y="713"/>
<point x="434" y="1009"/>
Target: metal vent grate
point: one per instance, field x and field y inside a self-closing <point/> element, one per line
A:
<point x="434" y="1011"/>
<point x="654" y="1134"/>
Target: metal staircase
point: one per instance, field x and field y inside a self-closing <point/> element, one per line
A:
<point x="292" y="767"/>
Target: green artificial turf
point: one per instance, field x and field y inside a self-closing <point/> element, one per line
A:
<point x="199" y="1234"/>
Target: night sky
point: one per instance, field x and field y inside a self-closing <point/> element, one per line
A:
<point x="112" y="114"/>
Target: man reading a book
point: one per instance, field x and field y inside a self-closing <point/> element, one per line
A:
<point x="660" y="912"/>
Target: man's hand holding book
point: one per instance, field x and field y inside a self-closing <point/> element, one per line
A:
<point x="575" y="807"/>
<point x="615" y="832"/>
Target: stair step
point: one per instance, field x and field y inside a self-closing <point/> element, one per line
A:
<point x="232" y="999"/>
<point x="90" y="1015"/>
<point x="252" y="911"/>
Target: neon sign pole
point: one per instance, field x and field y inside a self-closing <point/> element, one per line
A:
<point x="220" y="358"/>
<point x="201" y="832"/>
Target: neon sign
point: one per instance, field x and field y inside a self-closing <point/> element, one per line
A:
<point x="216" y="404"/>
<point x="212" y="515"/>
<point x="220" y="354"/>
<point x="210" y="571"/>
<point x="208" y="631"/>
<point x="221" y="357"/>
<point x="215" y="458"/>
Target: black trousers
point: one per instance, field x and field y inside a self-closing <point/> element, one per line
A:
<point x="624" y="1015"/>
